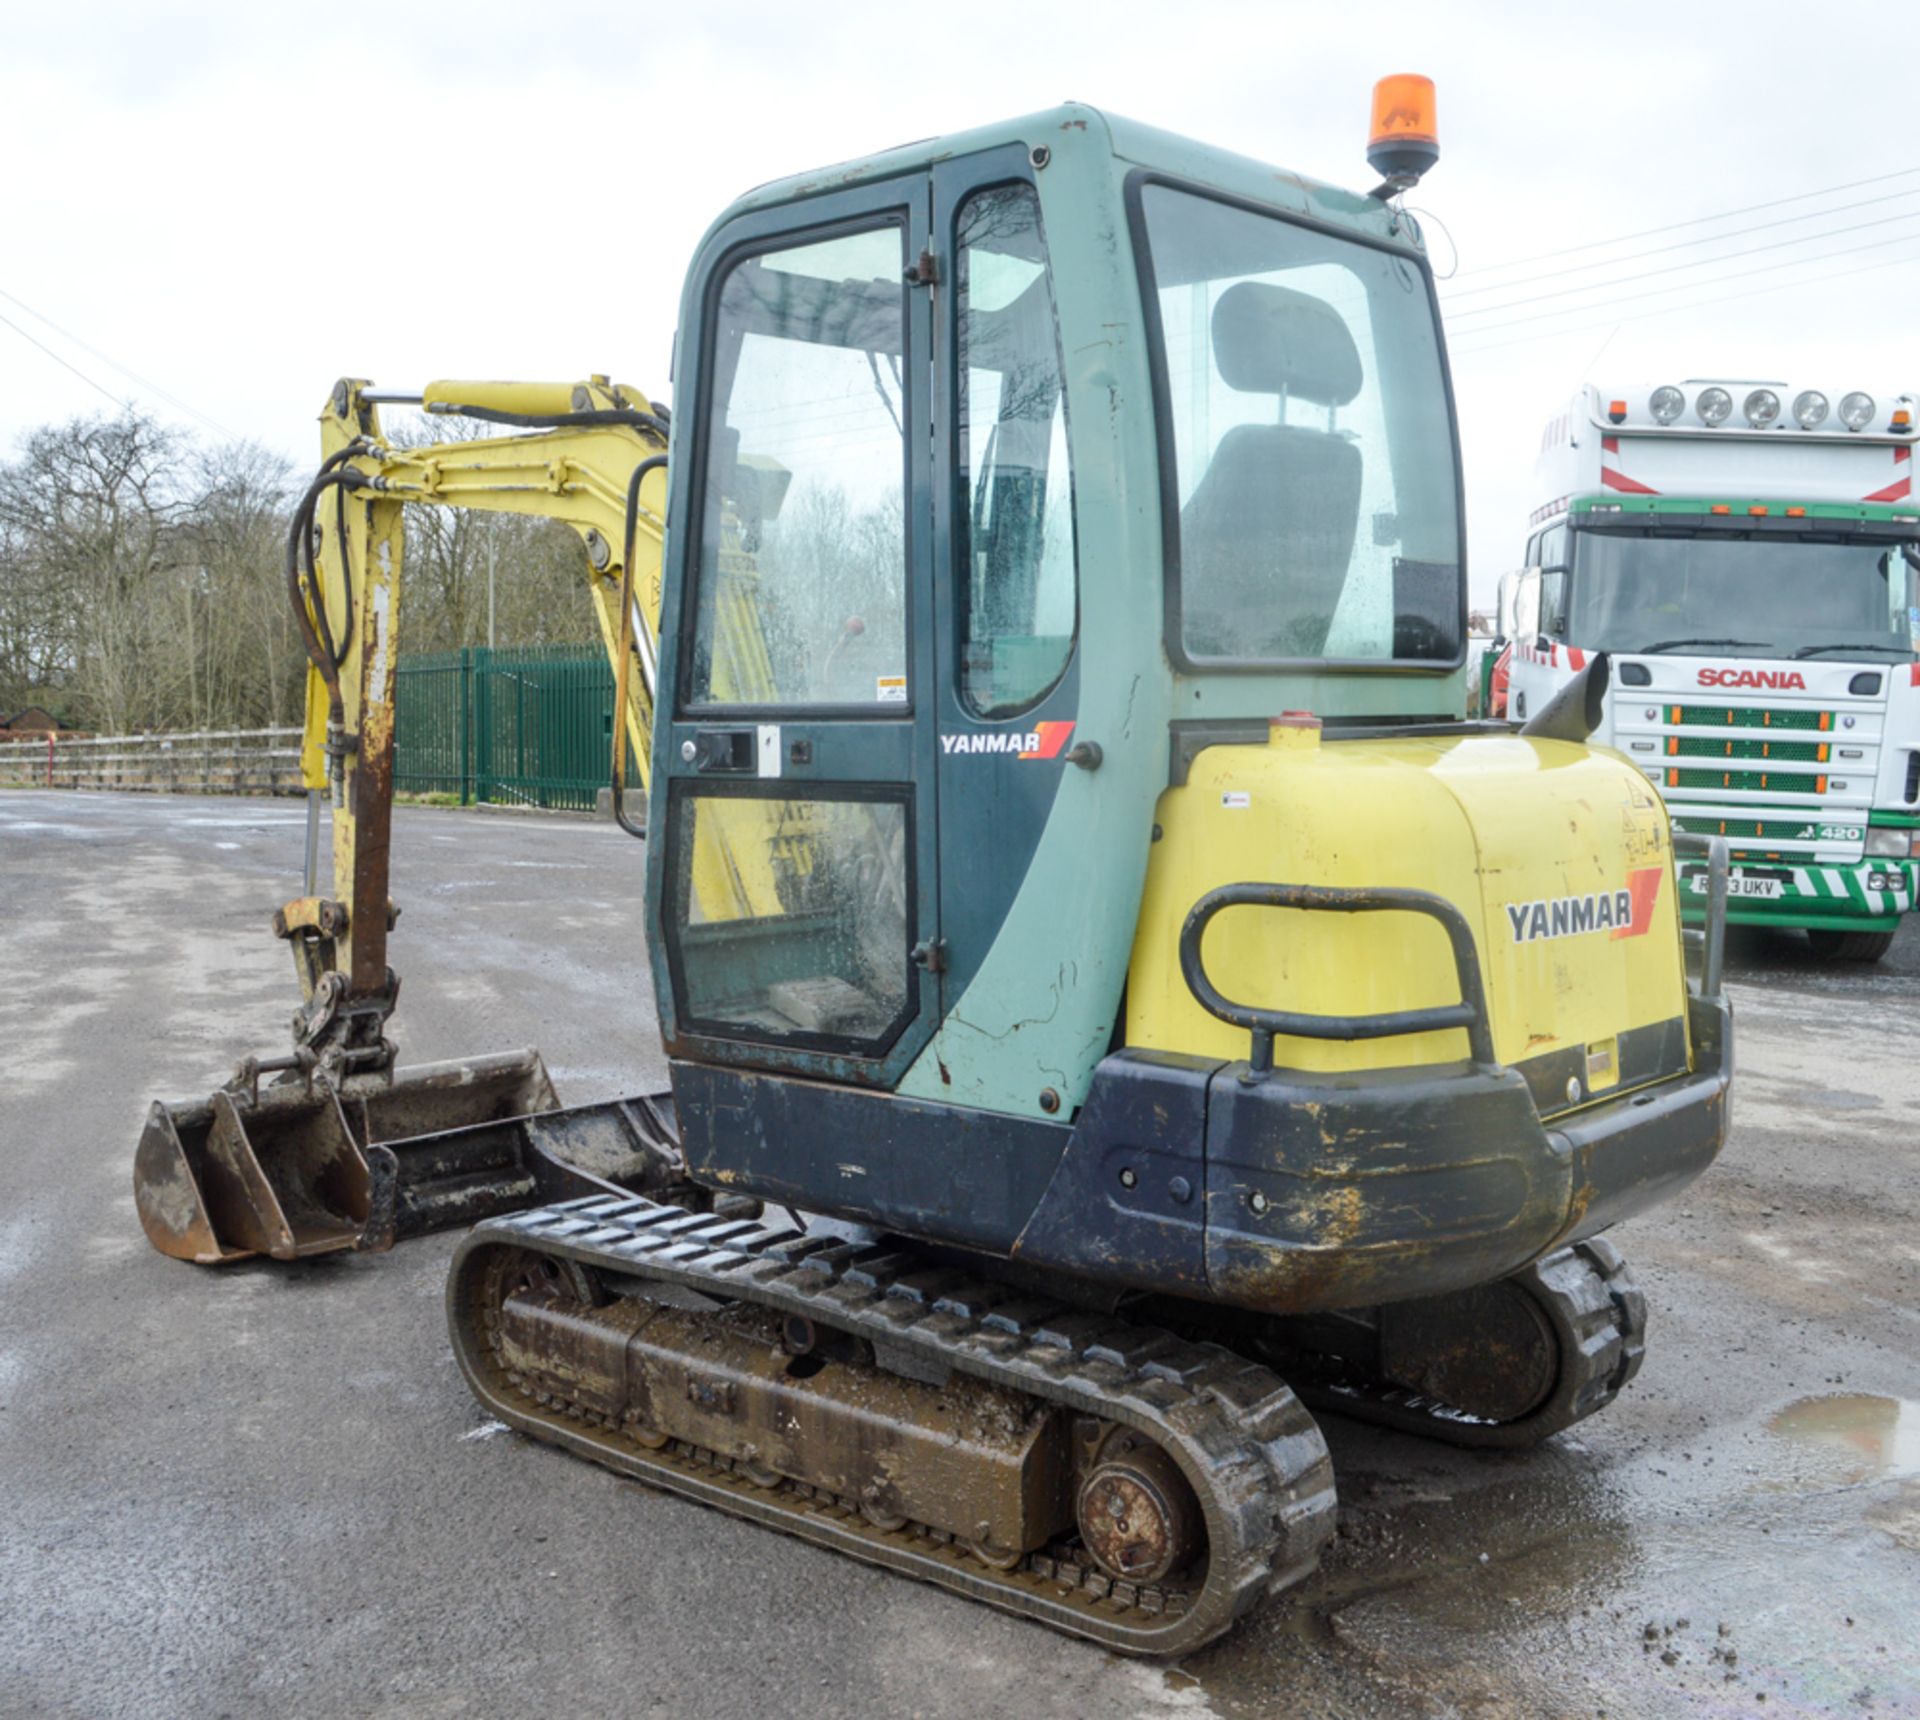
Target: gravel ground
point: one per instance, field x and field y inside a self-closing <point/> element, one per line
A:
<point x="266" y="1489"/>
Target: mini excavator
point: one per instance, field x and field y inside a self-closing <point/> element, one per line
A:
<point x="1116" y="1003"/>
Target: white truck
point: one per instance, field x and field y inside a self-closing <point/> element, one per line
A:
<point x="1746" y="555"/>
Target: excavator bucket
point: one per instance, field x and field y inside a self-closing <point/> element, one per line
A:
<point x="300" y="1167"/>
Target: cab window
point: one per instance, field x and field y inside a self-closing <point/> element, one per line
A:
<point x="1013" y="519"/>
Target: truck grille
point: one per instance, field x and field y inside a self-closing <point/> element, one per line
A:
<point x="1749" y="717"/>
<point x="1794" y="782"/>
<point x="1747" y="829"/>
<point x="1741" y="746"/>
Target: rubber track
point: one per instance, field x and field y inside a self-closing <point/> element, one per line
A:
<point x="1599" y="1320"/>
<point x="1252" y="1453"/>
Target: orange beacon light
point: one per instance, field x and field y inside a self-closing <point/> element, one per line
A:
<point x="1405" y="140"/>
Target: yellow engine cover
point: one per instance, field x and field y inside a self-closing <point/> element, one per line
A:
<point x="1557" y="854"/>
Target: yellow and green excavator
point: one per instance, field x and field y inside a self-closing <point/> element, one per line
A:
<point x="1115" y="1001"/>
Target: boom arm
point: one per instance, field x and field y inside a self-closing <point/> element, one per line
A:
<point x="586" y="454"/>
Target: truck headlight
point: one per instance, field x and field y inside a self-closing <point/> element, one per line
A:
<point x="1856" y="410"/>
<point x="1666" y="404"/>
<point x="1762" y="407"/>
<point x="1890" y="844"/>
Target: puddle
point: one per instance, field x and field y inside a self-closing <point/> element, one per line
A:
<point x="1877" y="1436"/>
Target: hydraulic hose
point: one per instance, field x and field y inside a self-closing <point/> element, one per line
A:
<point x="316" y="634"/>
<point x="553" y="420"/>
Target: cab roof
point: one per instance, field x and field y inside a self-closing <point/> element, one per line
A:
<point x="1069" y="130"/>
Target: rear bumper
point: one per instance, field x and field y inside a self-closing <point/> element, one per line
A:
<point x="1329" y="1192"/>
<point x="1439" y="1184"/>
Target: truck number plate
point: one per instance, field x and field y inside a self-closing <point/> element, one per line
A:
<point x="1739" y="884"/>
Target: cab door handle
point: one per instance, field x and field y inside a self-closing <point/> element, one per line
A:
<point x="722" y="751"/>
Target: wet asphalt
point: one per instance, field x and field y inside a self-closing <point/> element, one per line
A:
<point x="266" y="1489"/>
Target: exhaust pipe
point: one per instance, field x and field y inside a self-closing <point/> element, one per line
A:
<point x="1573" y="713"/>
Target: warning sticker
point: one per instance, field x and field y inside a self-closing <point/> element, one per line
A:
<point x="1236" y="797"/>
<point x="890" y="689"/>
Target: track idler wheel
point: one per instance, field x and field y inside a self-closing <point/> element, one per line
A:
<point x="1137" y="1514"/>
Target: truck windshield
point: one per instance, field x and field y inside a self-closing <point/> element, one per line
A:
<point x="1307" y="442"/>
<point x="1737" y="594"/>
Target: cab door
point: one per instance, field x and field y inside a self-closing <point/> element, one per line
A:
<point x="793" y="868"/>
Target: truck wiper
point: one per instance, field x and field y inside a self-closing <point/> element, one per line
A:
<point x="1681" y="644"/>
<point x="1877" y="645"/>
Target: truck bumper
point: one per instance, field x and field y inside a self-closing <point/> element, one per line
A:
<point x="1859" y="896"/>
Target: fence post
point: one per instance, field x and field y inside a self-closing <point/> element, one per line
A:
<point x="463" y="703"/>
<point x="482" y="724"/>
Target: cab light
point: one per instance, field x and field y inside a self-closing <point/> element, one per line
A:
<point x="1902" y="422"/>
<point x="1666" y="404"/>
<point x="1617" y="411"/>
<point x="1809" y="408"/>
<point x="1757" y="513"/>
<point x="1720" y="508"/>
<point x="1796" y="513"/>
<point x="1856" y="410"/>
<point x="1405" y="137"/>
<point x="1761" y="407"/>
<point x="1715" y="406"/>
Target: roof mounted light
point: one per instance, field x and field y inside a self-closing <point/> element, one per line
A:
<point x="1715" y="406"/>
<point x="1809" y="409"/>
<point x="1405" y="140"/>
<point x="1856" y="410"/>
<point x="1666" y="404"/>
<point x="1761" y="407"/>
<point x="1616" y="412"/>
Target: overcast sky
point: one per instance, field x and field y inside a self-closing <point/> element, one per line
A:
<point x="242" y="202"/>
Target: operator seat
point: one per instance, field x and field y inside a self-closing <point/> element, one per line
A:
<point x="1267" y="535"/>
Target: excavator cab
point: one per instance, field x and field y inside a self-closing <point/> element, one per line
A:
<point x="1075" y="898"/>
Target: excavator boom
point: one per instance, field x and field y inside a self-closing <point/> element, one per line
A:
<point x="341" y="1149"/>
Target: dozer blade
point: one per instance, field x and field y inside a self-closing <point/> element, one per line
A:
<point x="301" y="1167"/>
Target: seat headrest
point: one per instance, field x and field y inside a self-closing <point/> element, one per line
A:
<point x="1267" y="339"/>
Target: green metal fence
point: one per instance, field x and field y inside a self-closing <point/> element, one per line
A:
<point x="528" y="726"/>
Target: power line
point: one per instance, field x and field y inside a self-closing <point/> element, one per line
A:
<point x="1694" y="221"/>
<point x="1683" y="286"/>
<point x="1677" y="268"/>
<point x="57" y="359"/>
<point x="1471" y="351"/>
<point x="1686" y="244"/>
<point x="114" y="364"/>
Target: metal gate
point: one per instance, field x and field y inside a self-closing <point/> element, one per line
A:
<point x="525" y="726"/>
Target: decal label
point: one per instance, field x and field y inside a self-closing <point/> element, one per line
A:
<point x="1044" y="740"/>
<point x="1619" y="913"/>
<point x="890" y="689"/>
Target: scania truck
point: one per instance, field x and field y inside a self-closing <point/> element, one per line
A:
<point x="1746" y="555"/>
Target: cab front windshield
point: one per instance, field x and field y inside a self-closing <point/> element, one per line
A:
<point x="1738" y="594"/>
<point x="1308" y="442"/>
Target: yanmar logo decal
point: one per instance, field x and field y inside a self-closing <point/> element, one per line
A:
<point x="1619" y="913"/>
<point x="1044" y="740"/>
<point x="1779" y="680"/>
